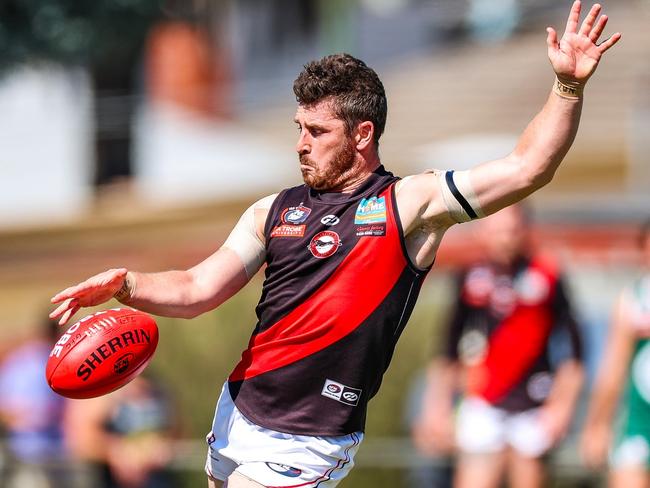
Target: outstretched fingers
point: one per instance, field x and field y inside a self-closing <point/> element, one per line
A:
<point x="66" y="310"/>
<point x="574" y="18"/>
<point x="590" y="19"/>
<point x="551" y="39"/>
<point x="598" y="29"/>
<point x="604" y="46"/>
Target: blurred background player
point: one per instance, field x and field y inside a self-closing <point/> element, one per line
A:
<point x="514" y="349"/>
<point x="626" y="361"/>
<point x="125" y="437"/>
<point x="31" y="415"/>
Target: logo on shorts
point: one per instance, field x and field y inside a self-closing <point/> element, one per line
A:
<point x="324" y="244"/>
<point x="210" y="438"/>
<point x="330" y="220"/>
<point x="295" y="215"/>
<point x="341" y="393"/>
<point x="284" y="470"/>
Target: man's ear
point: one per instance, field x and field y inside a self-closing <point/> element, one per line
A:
<point x="364" y="134"/>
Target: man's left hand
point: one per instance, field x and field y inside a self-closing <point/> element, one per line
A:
<point x="575" y="57"/>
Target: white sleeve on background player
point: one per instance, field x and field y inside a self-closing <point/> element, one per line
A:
<point x="244" y="239"/>
<point x="458" y="195"/>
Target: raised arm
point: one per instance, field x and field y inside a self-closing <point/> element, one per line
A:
<point x="546" y="140"/>
<point x="448" y="197"/>
<point x="179" y="293"/>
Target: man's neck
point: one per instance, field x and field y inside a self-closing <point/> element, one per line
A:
<point x="357" y="175"/>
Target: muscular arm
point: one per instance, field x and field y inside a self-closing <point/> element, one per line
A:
<point x="449" y="197"/>
<point x="179" y="293"/>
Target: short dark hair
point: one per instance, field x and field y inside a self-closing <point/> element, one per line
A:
<point x="355" y="89"/>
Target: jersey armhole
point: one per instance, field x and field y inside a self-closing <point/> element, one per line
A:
<point x="401" y="237"/>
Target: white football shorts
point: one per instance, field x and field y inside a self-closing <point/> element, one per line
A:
<point x="274" y="458"/>
<point x="482" y="428"/>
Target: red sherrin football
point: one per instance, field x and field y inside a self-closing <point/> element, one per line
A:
<point x="101" y="353"/>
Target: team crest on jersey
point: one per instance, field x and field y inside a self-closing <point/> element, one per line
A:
<point x="295" y="215"/>
<point x="324" y="244"/>
<point x="371" y="211"/>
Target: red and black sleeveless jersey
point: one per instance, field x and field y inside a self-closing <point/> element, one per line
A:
<point x="510" y="329"/>
<point x="338" y="291"/>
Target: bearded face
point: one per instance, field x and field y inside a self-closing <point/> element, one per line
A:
<point x="328" y="174"/>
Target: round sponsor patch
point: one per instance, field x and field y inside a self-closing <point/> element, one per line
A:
<point x="324" y="244"/>
<point x="333" y="388"/>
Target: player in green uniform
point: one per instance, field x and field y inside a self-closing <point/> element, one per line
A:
<point x="627" y="355"/>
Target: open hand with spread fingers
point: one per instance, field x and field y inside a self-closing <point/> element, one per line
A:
<point x="575" y="57"/>
<point x="94" y="291"/>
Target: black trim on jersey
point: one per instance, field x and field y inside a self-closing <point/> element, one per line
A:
<point x="459" y="196"/>
<point x="402" y="238"/>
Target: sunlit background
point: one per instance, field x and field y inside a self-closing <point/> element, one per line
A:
<point x="134" y="132"/>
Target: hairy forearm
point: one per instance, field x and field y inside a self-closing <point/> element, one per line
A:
<point x="186" y="294"/>
<point x="168" y="293"/>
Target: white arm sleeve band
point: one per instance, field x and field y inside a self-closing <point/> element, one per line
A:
<point x="244" y="240"/>
<point x="459" y="196"/>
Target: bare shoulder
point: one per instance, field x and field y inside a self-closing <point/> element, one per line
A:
<point x="420" y="202"/>
<point x="261" y="210"/>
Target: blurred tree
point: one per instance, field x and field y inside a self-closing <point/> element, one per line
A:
<point x="104" y="36"/>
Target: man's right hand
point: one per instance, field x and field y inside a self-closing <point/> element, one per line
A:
<point x="94" y="291"/>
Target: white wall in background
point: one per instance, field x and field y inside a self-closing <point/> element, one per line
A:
<point x="45" y="119"/>
<point x="183" y="159"/>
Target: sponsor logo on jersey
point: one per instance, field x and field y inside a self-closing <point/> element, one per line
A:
<point x="284" y="470"/>
<point x="330" y="220"/>
<point x="295" y="215"/>
<point x="324" y="244"/>
<point x="371" y="211"/>
<point x="286" y="230"/>
<point x="532" y="287"/>
<point x="372" y="230"/>
<point x="341" y="393"/>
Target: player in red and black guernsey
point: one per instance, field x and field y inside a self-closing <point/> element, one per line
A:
<point x="345" y="257"/>
<point x="513" y="350"/>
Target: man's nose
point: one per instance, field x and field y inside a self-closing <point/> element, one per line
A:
<point x="302" y="146"/>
